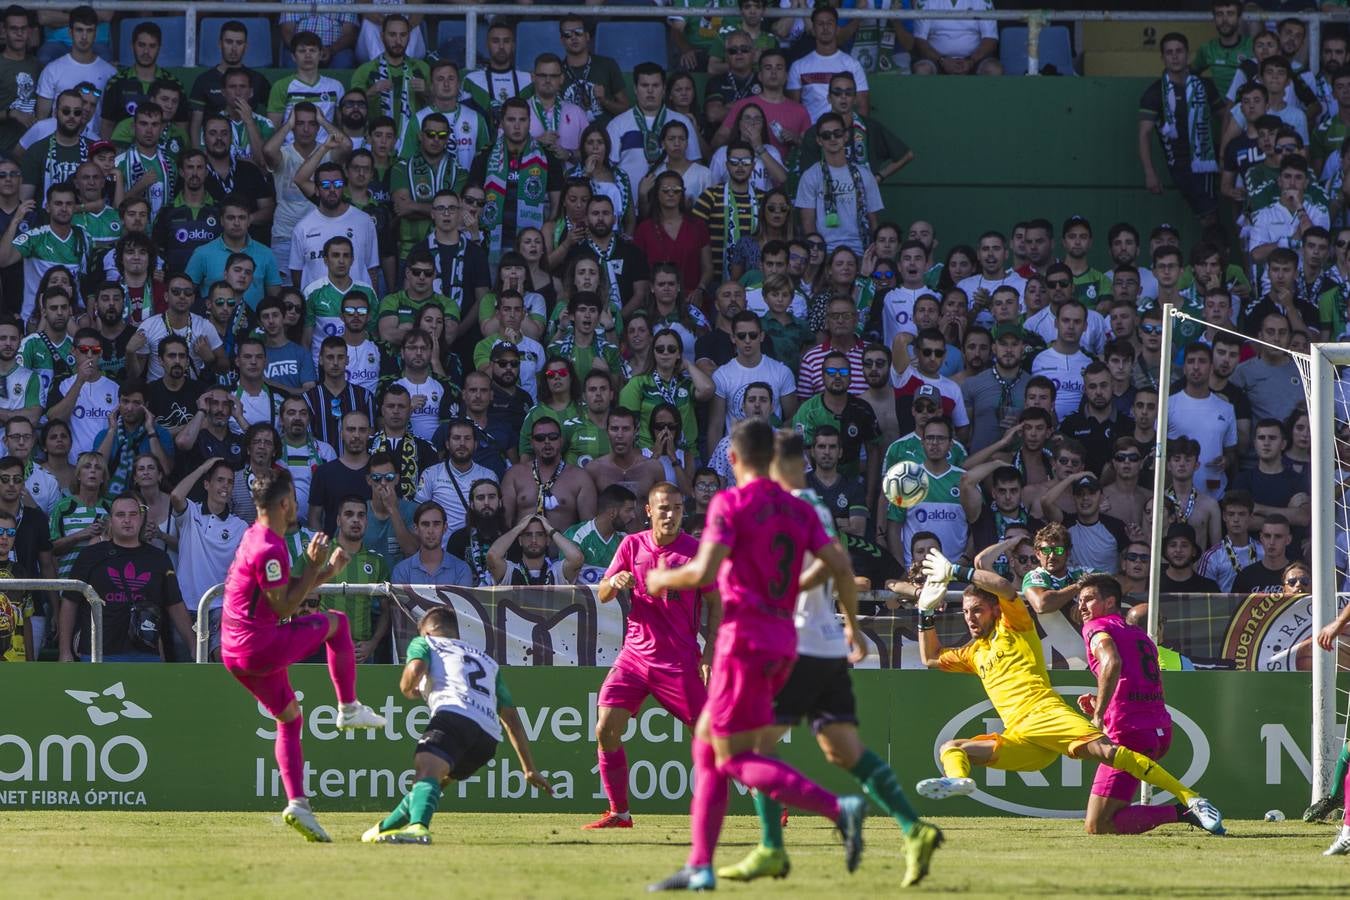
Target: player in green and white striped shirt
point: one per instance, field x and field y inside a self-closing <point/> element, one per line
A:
<point x="470" y="706"/>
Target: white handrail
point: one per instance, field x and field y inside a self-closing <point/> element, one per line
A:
<point x="68" y="585"/>
<point x="203" y="627"/>
<point x="471" y="13"/>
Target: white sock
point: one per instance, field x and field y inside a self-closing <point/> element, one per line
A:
<point x="302" y="802"/>
<point x="350" y="707"/>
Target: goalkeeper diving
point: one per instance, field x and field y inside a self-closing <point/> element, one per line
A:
<point x="1004" y="650"/>
<point x="470" y="706"/>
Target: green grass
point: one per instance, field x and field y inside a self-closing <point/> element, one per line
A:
<point x="548" y="856"/>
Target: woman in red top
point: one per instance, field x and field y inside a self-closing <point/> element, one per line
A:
<point x="672" y="235"/>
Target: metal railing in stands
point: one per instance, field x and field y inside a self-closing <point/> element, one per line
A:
<point x="202" y="625"/>
<point x="1034" y="20"/>
<point x="68" y="585"/>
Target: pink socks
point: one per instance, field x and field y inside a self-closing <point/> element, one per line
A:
<point x="342" y="662"/>
<point x="290" y="758"/>
<point x="1137" y="819"/>
<point x="614" y="776"/>
<point x="709" y="806"/>
<point x="781" y="782"/>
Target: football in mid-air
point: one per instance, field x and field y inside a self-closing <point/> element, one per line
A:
<point x="905" y="483"/>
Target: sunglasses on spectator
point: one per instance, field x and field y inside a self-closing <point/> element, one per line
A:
<point x="1128" y="457"/>
<point x="1135" y="557"/>
<point x="89" y="348"/>
<point x="1296" y="581"/>
<point x="932" y="351"/>
<point x="740" y="160"/>
<point x="546" y="436"/>
<point x="1286" y="148"/>
<point x="8" y="532"/>
<point x="831" y="134"/>
<point x="421" y="271"/>
<point x="875" y="364"/>
<point x="842" y="92"/>
<point x="377" y="477"/>
<point x="739" y="48"/>
<point x="1150" y="328"/>
<point x="1025" y="559"/>
<point x="883" y="274"/>
<point x="508" y="363"/>
<point x="563" y="373"/>
<point x="936" y="438"/>
<point x="291" y="307"/>
<point x="87" y="91"/>
<point x="332" y="184"/>
<point x="573" y="32"/>
<point x="747" y="335"/>
<point x="924" y="407"/>
<point x="226" y="301"/>
<point x="356" y="310"/>
<point x="354" y="102"/>
<point x="473" y="201"/>
<point x="182" y="292"/>
<point x="1057" y="550"/>
<point x="1058" y="282"/>
<point x="1341" y="244"/>
<point x="437" y="135"/>
<point x="837" y="370"/>
<point x="667" y="348"/>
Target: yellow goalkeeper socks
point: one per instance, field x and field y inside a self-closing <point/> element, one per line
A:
<point x="955" y="763"/>
<point x="1150" y="772"/>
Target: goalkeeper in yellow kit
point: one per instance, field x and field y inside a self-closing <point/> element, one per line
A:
<point x="1038" y="726"/>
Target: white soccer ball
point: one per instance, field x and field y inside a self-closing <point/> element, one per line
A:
<point x="905" y="483"/>
<point x="1274" y="815"/>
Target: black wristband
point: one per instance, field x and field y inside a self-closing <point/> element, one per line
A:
<point x="964" y="574"/>
<point x="927" y="621"/>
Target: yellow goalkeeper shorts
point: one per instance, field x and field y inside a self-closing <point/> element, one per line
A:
<point x="1040" y="738"/>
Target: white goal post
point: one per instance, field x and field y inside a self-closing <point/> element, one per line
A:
<point x="1321" y="386"/>
<point x="1326" y="583"/>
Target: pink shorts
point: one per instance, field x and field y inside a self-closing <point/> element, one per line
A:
<point x="680" y="691"/>
<point x="261" y="666"/>
<point x="742" y="688"/>
<point x="1118" y="785"/>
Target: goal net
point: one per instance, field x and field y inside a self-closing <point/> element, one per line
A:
<point x="1306" y="387"/>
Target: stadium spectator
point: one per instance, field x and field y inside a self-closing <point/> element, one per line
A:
<point x="143" y="608"/>
<point x="808" y="79"/>
<point x="532" y="536"/>
<point x="490" y="87"/>
<point x="484" y="523"/>
<point x="344" y="476"/>
<point x="1180" y="553"/>
<point x="368" y="616"/>
<point x="1274" y="486"/>
<point x="956" y="46"/>
<point x="208" y="538"/>
<point x="1185" y="110"/>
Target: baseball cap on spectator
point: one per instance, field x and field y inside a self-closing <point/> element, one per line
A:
<point x="928" y="392"/>
<point x="1181" y="530"/>
<point x="501" y="348"/>
<point x="98" y="147"/>
<point x="1087" y="483"/>
<point x="1166" y="228"/>
<point x="1009" y="329"/>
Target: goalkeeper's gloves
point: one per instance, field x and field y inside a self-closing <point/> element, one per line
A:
<point x="937" y="567"/>
<point x="932" y="595"/>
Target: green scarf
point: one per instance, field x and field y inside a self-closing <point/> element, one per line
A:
<point x="424" y="182"/>
<point x="529" y="172"/>
<point x="1198" y="124"/>
<point x="402" y="112"/>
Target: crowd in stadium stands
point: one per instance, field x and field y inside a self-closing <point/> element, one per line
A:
<point x="479" y="312"/>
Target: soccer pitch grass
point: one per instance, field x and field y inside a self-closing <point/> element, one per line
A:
<point x="547" y="856"/>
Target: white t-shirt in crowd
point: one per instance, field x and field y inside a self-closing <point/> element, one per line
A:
<point x="812" y="73"/>
<point x="731" y="379"/>
<point x="90" y="416"/>
<point x="314" y="230"/>
<point x="1066" y="372"/>
<point x="206" y="547"/>
<point x="156" y="329"/>
<point x="955" y="37"/>
<point x="625" y="142"/>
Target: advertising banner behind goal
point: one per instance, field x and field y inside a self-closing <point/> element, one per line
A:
<point x="185" y="737"/>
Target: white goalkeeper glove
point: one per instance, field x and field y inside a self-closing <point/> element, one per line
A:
<point x="932" y="595"/>
<point x="937" y="567"/>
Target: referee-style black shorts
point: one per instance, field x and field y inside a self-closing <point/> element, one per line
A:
<point x="818" y="689"/>
<point x="460" y="741"/>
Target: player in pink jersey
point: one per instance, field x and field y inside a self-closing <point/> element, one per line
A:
<point x="660" y="655"/>
<point x="1128" y="708"/>
<point x="753" y="544"/>
<point x="257" y="647"/>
